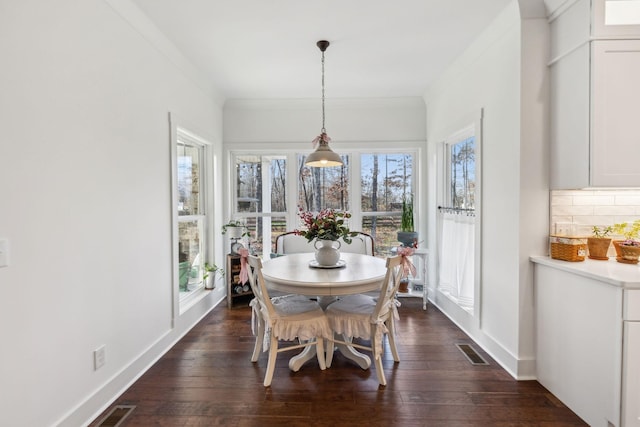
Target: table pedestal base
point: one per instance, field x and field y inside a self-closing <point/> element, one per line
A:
<point x="362" y="360"/>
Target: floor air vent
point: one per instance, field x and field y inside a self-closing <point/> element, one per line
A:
<point x="471" y="354"/>
<point x="117" y="415"/>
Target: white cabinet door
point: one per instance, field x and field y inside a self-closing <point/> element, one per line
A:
<point x="631" y="375"/>
<point x="579" y="343"/>
<point x="570" y="120"/>
<point x="615" y="113"/>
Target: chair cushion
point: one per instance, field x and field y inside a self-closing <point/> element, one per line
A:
<point x="351" y="315"/>
<point x="299" y="317"/>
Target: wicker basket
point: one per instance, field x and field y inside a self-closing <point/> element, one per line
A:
<point x="568" y="248"/>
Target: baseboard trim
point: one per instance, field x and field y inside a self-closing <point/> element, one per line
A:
<point x="94" y="405"/>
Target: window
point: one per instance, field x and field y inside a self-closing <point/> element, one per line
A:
<point x="458" y="220"/>
<point x="269" y="189"/>
<point x="323" y="188"/>
<point x="462" y="170"/>
<point x="191" y="213"/>
<point x="261" y="197"/>
<point x="384" y="180"/>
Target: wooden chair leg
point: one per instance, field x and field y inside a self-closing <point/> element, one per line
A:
<point x="259" y="340"/>
<point x="392" y="340"/>
<point x="377" y="357"/>
<point x="271" y="364"/>
<point x="379" y="371"/>
<point x="329" y="353"/>
<point x="320" y="352"/>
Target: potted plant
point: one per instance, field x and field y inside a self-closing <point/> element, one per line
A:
<point x="629" y="251"/>
<point x="599" y="242"/>
<point x="209" y="276"/>
<point x="235" y="229"/>
<point x="629" y="232"/>
<point x="407" y="234"/>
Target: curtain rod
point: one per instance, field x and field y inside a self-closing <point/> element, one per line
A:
<point x="457" y="210"/>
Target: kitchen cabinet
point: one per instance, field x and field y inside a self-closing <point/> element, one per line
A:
<point x="594" y="88"/>
<point x="631" y="358"/>
<point x="615" y="111"/>
<point x="588" y="338"/>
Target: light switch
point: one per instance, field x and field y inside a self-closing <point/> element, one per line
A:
<point x="4" y="252"/>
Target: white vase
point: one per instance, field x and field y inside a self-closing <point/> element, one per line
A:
<point x="327" y="254"/>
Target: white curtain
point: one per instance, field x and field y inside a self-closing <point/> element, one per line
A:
<point x="457" y="256"/>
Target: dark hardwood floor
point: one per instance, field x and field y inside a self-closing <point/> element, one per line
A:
<point x="207" y="379"/>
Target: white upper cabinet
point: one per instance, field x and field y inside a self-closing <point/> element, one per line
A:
<point x="615" y="113"/>
<point x="594" y="71"/>
<point x="616" y="18"/>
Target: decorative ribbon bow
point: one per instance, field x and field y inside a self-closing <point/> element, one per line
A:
<point x="322" y="137"/>
<point x="407" y="266"/>
<point x="244" y="270"/>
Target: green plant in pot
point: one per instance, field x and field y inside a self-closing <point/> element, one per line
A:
<point x="235" y="229"/>
<point x="209" y="276"/>
<point x="407" y="234"/>
<point x="629" y="232"/>
<point x="599" y="242"/>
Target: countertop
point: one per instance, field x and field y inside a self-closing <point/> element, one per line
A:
<point x="626" y="276"/>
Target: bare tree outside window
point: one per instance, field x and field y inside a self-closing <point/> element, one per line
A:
<point x="385" y="180"/>
<point x="462" y="179"/>
<point x="322" y="188"/>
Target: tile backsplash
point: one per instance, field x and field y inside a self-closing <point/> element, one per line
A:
<point x="574" y="212"/>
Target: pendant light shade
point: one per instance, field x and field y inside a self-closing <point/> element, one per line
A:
<point x="323" y="156"/>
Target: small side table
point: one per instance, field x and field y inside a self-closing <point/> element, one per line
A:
<point x="420" y="281"/>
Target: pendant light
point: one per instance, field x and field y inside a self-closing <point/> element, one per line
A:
<point x="323" y="156"/>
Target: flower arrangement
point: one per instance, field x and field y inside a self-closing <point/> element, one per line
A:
<point x="328" y="224"/>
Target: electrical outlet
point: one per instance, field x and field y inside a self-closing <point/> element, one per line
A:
<point x="99" y="357"/>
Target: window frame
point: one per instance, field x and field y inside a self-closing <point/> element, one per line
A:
<point x="179" y="134"/>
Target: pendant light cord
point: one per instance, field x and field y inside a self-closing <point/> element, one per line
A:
<point x="323" y="129"/>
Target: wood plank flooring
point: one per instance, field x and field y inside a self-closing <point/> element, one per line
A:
<point x="207" y="379"/>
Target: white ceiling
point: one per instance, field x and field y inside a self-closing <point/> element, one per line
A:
<point x="267" y="48"/>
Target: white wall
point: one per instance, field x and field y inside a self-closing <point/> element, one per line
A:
<point x="347" y="120"/>
<point x="85" y="186"/>
<point x="489" y="76"/>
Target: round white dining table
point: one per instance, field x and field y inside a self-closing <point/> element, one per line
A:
<point x="294" y="274"/>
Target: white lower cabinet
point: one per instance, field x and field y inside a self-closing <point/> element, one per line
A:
<point x="579" y="343"/>
<point x="631" y="361"/>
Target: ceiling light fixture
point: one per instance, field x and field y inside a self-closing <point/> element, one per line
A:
<point x="323" y="156"/>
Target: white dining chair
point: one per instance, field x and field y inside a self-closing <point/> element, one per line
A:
<point x="292" y="243"/>
<point x="362" y="316"/>
<point x="287" y="320"/>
